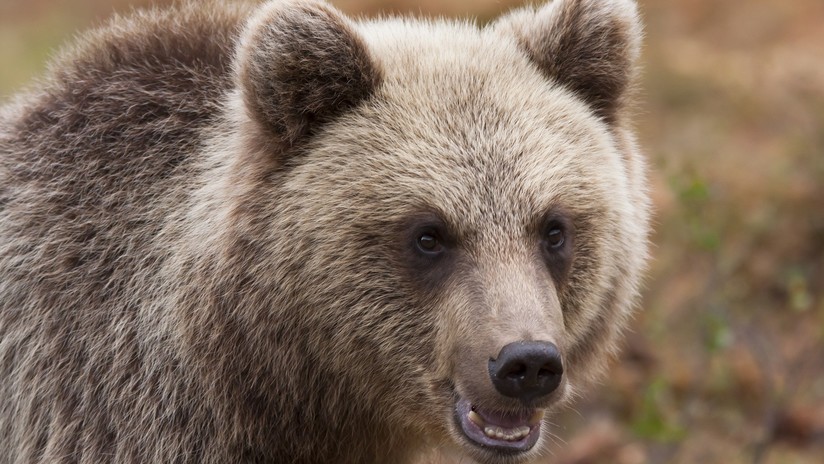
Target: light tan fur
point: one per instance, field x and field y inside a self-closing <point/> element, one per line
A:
<point x="205" y="219"/>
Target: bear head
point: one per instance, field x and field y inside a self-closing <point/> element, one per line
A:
<point x="449" y="222"/>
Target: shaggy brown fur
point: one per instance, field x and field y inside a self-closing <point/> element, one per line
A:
<point x="209" y="220"/>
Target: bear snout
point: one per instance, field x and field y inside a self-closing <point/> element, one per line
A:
<point x="501" y="408"/>
<point x="527" y="370"/>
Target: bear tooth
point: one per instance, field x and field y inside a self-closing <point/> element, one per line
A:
<point x="499" y="433"/>
<point x="537" y="416"/>
<point x="477" y="419"/>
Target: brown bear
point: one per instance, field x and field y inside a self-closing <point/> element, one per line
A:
<point x="274" y="234"/>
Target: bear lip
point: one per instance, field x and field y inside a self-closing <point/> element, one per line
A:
<point x="468" y="415"/>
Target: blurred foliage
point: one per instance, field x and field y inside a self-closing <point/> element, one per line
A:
<point x="725" y="362"/>
<point x="654" y="419"/>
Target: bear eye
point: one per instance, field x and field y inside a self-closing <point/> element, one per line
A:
<point x="557" y="243"/>
<point x="555" y="238"/>
<point x="428" y="243"/>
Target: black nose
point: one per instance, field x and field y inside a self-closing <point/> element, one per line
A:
<point x="527" y="370"/>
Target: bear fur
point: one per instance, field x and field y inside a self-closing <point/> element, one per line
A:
<point x="211" y="220"/>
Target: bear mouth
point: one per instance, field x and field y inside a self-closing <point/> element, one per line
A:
<point x="504" y="432"/>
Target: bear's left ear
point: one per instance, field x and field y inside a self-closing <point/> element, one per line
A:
<point x="299" y="64"/>
<point x="589" y="46"/>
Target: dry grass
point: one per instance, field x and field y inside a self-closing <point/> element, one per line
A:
<point x="726" y="361"/>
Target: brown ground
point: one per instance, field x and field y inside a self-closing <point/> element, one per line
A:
<point x="726" y="360"/>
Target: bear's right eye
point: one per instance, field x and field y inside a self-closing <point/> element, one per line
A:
<point x="555" y="237"/>
<point x="428" y="243"/>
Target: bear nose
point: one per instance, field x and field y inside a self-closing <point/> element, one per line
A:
<point x="527" y="370"/>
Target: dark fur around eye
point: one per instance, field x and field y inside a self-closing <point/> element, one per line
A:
<point x="557" y="239"/>
<point x="426" y="249"/>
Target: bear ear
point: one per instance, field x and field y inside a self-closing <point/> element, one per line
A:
<point x="301" y="63"/>
<point x="589" y="46"/>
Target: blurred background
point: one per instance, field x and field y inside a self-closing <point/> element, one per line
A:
<point x="725" y="361"/>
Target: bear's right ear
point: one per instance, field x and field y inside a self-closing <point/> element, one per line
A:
<point x="301" y="63"/>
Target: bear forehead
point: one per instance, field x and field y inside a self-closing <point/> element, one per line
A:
<point x="475" y="97"/>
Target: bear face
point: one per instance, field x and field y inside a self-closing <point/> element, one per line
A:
<point x="349" y="240"/>
<point x="469" y="190"/>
